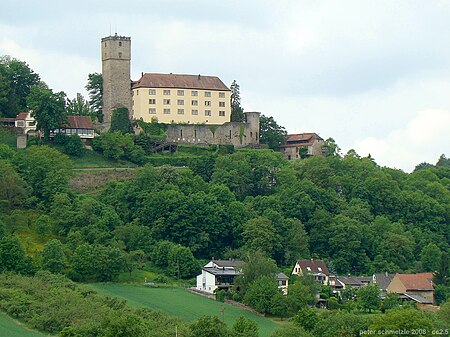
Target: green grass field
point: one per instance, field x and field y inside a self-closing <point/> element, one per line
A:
<point x="11" y="328"/>
<point x="181" y="303"/>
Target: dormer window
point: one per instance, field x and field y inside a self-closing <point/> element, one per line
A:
<point x="308" y="268"/>
<point x="320" y="269"/>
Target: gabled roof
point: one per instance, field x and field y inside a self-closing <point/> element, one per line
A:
<point x="418" y="298"/>
<point x="22" y="116"/>
<point x="79" y="122"/>
<point x="281" y="276"/>
<point x="301" y="139"/>
<point x="354" y="281"/>
<point x="383" y="280"/>
<point x="421" y="281"/>
<point x="315" y="266"/>
<point x="228" y="263"/>
<point x="182" y="81"/>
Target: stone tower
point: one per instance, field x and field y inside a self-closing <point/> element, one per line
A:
<point x="116" y="59"/>
<point x="252" y="118"/>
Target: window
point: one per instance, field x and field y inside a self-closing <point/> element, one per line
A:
<point x="152" y="91"/>
<point x="194" y="112"/>
<point x="222" y="104"/>
<point x="222" y="113"/>
<point x="180" y="92"/>
<point x="207" y="103"/>
<point x="180" y="111"/>
<point x="221" y="95"/>
<point x="166" y="92"/>
<point x="180" y="102"/>
<point x="319" y="269"/>
<point x="120" y="44"/>
<point x="120" y="55"/>
<point x="207" y="112"/>
<point x="152" y="111"/>
<point x="207" y="93"/>
<point x="194" y="93"/>
<point x="152" y="101"/>
<point x="166" y="111"/>
<point x="166" y="101"/>
<point x="194" y="102"/>
<point x="308" y="268"/>
<point x="137" y="92"/>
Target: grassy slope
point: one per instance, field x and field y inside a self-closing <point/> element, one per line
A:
<point x="12" y="328"/>
<point x="181" y="303"/>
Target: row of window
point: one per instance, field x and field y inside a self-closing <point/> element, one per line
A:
<point x="152" y="111"/>
<point x="194" y="93"/>
<point x="181" y="102"/>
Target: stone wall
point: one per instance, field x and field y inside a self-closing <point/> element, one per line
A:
<point x="235" y="133"/>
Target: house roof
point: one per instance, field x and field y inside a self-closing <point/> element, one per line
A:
<point x="354" y="281"/>
<point x="228" y="263"/>
<point x="22" y="116"/>
<point x="182" y="81"/>
<point x="417" y="298"/>
<point x="383" y="280"/>
<point x="282" y="276"/>
<point x="79" y="122"/>
<point x="222" y="272"/>
<point x="421" y="281"/>
<point x="315" y="266"/>
<point x="301" y="139"/>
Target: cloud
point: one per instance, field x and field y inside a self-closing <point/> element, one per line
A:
<point x="418" y="141"/>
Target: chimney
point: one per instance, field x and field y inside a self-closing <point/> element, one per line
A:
<point x="199" y="77"/>
<point x="142" y="74"/>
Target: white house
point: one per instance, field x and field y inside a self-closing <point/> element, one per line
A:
<point x="218" y="274"/>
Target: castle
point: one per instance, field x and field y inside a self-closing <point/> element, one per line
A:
<point x="197" y="107"/>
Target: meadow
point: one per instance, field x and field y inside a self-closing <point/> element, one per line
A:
<point x="183" y="304"/>
<point x="11" y="328"/>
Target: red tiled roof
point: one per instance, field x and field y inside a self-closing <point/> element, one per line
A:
<point x="422" y="281"/>
<point x="22" y="116"/>
<point x="314" y="265"/>
<point x="151" y="80"/>
<point x="79" y="122"/>
<point x="302" y="137"/>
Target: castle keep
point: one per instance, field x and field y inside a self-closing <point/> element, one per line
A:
<point x="197" y="107"/>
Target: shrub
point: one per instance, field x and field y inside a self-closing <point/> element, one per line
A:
<point x="74" y="146"/>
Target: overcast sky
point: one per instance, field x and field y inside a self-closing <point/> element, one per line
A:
<point x="373" y="75"/>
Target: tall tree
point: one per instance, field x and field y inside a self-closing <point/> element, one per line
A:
<point x="237" y="112"/>
<point x="95" y="89"/>
<point x="53" y="256"/>
<point x="80" y="107"/>
<point x="330" y="148"/>
<point x="16" y="81"/>
<point x="271" y="133"/>
<point x="48" y="108"/>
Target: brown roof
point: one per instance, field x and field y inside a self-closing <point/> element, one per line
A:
<point x="79" y="122"/>
<point x="22" y="116"/>
<point x="301" y="139"/>
<point x="314" y="265"/>
<point x="151" y="80"/>
<point x="422" y="281"/>
<point x="383" y="280"/>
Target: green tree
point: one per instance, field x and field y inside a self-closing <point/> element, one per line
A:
<point x="114" y="145"/>
<point x="237" y="113"/>
<point x="260" y="293"/>
<point x="430" y="257"/>
<point x="271" y="133"/>
<point x="306" y="318"/>
<point x="12" y="187"/>
<point x="405" y="319"/>
<point x="244" y="327"/>
<point x="256" y="264"/>
<point x="45" y="170"/>
<point x="330" y="148"/>
<point x="43" y="225"/>
<point x="79" y="107"/>
<point x="16" y="81"/>
<point x="259" y="233"/>
<point x="74" y="146"/>
<point x="279" y="305"/>
<point x="207" y="326"/>
<point x="291" y="331"/>
<point x="301" y="293"/>
<point x="443" y="161"/>
<point x="95" y="88"/>
<point x="120" y="121"/>
<point x="48" y="109"/>
<point x="442" y="276"/>
<point x="368" y="298"/>
<point x="53" y="257"/>
<point x="181" y="262"/>
<point x="12" y="255"/>
<point x="391" y="301"/>
<point x="342" y="324"/>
